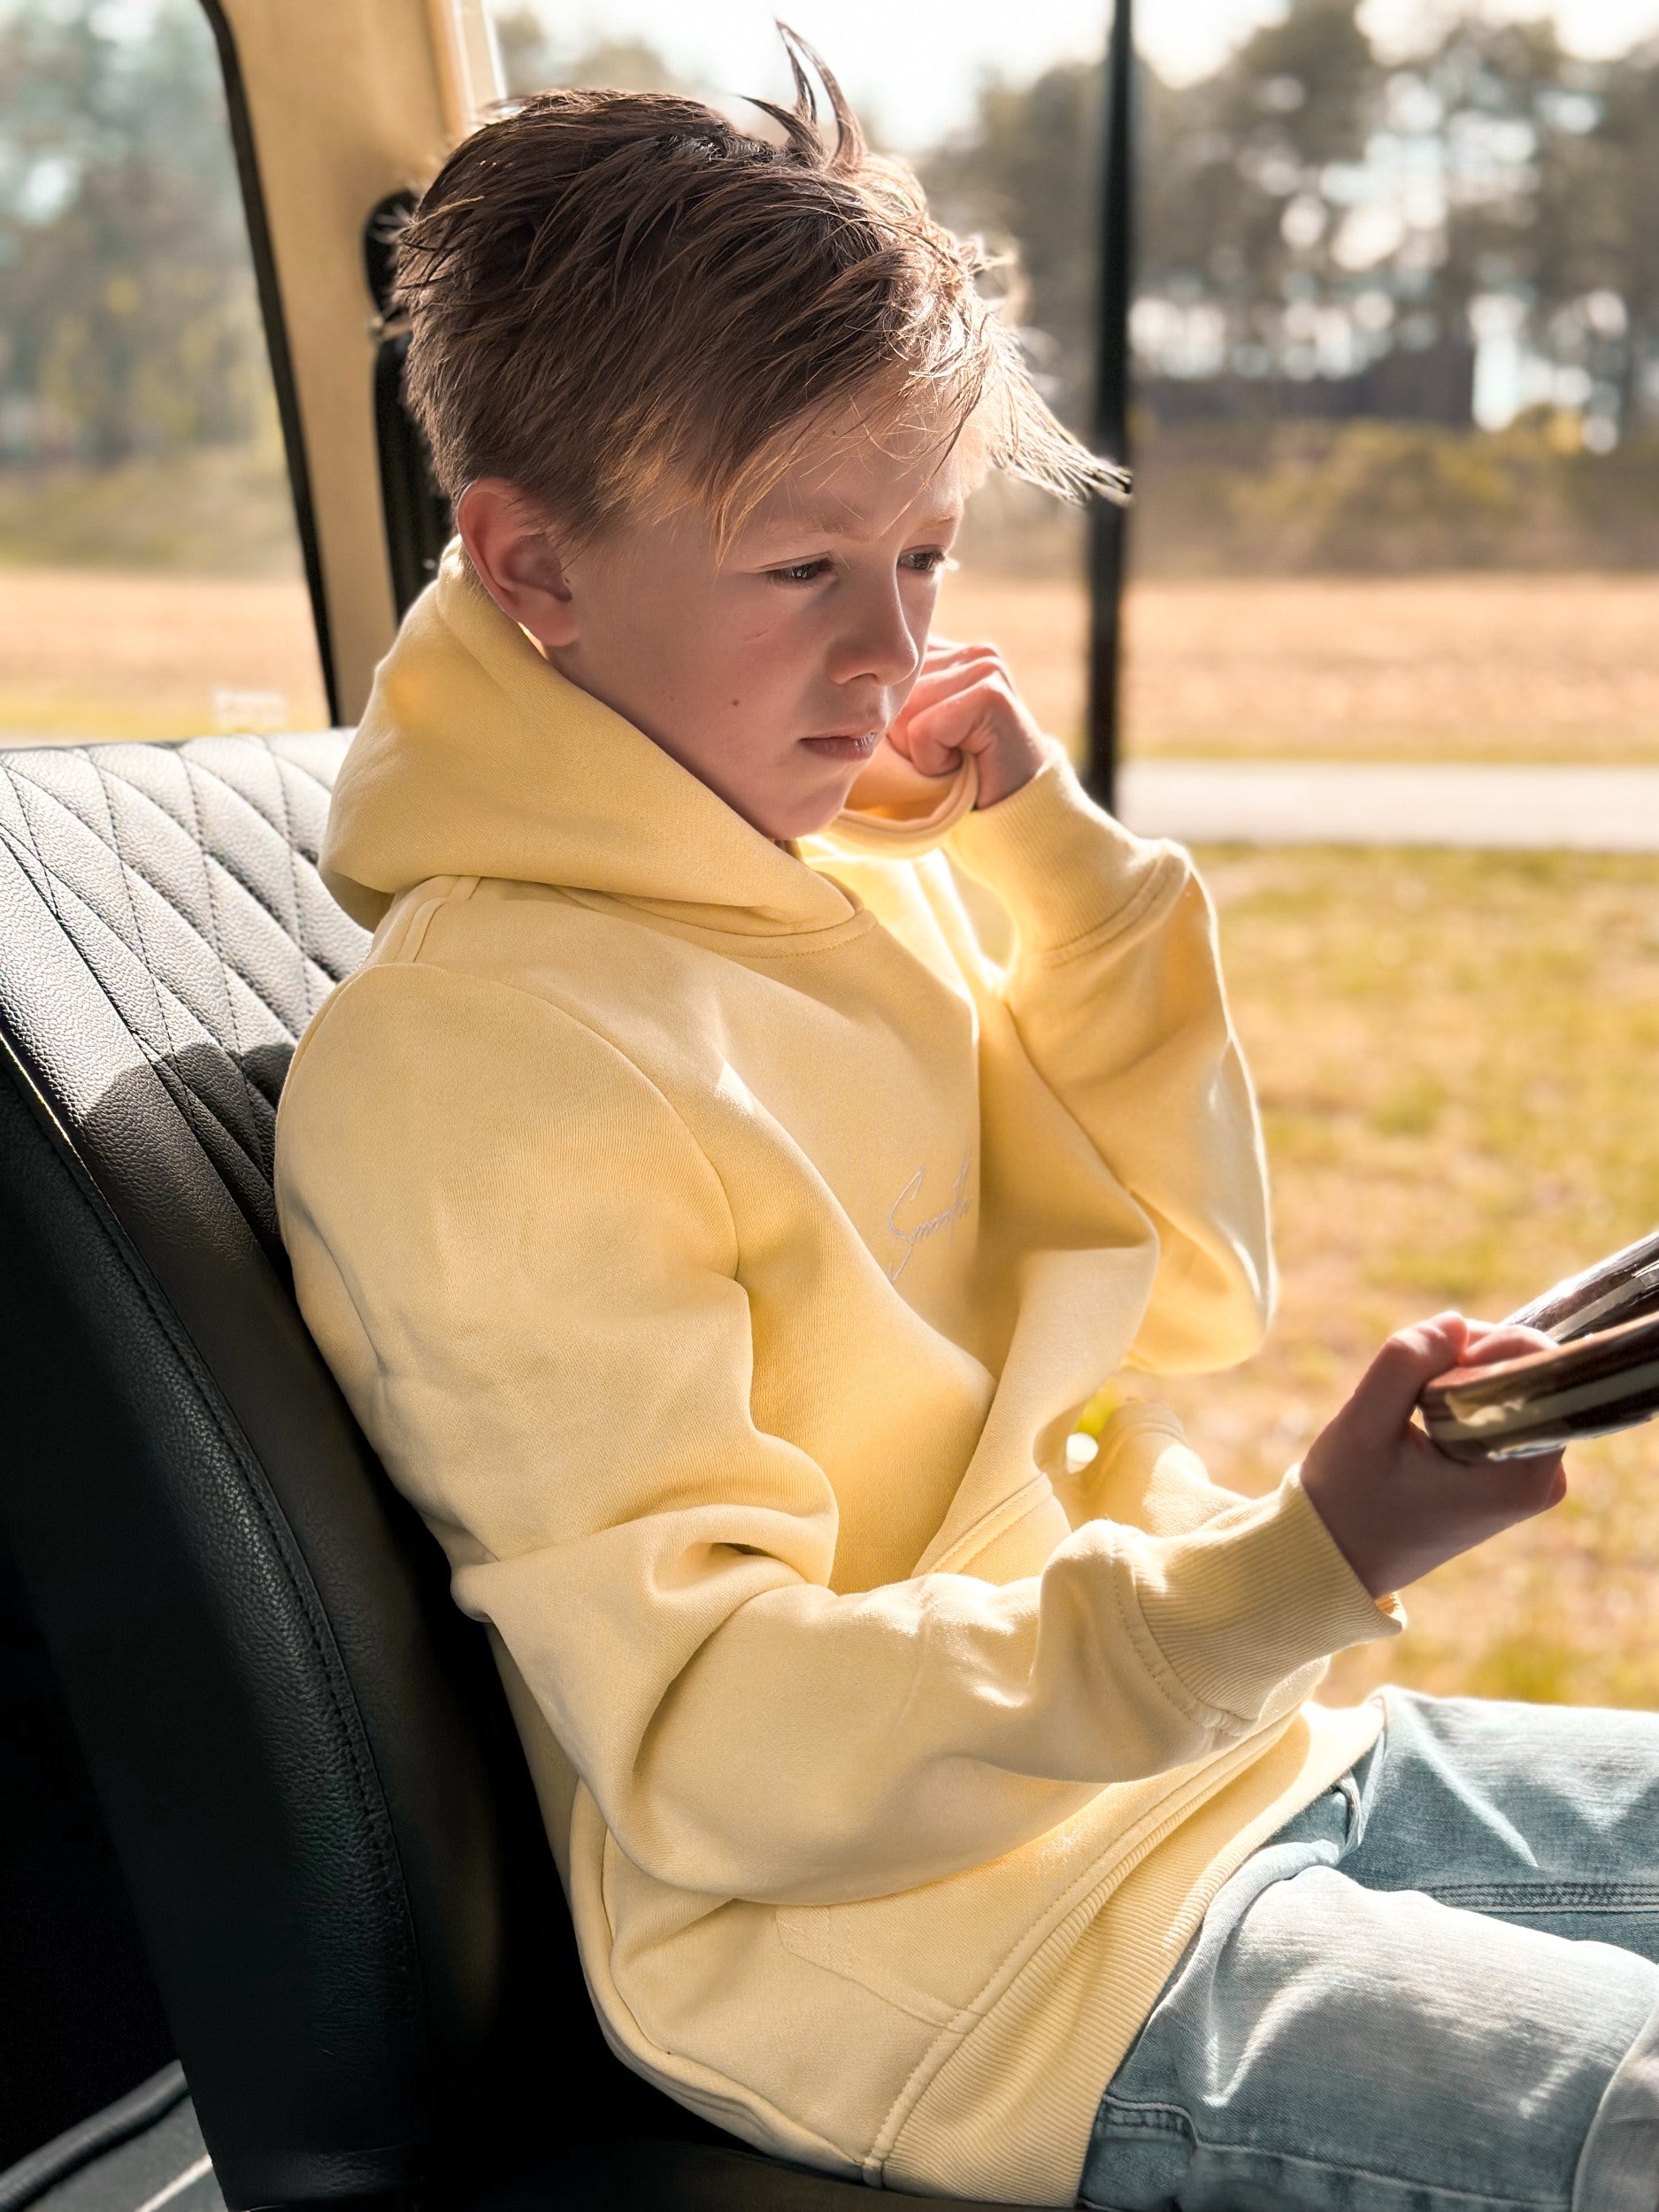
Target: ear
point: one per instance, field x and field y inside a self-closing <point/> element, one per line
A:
<point x="516" y="553"/>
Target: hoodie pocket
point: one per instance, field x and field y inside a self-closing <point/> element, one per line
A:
<point x="818" y="1934"/>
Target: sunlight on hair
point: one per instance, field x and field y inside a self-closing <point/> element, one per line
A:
<point x="624" y="302"/>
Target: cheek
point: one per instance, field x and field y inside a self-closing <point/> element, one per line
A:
<point x="695" y="662"/>
<point x="731" y="688"/>
<point x="772" y="655"/>
<point x="920" y="601"/>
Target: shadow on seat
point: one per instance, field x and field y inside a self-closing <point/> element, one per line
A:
<point x="300" y="1748"/>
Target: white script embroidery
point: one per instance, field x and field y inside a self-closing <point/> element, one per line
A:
<point x="947" y="1217"/>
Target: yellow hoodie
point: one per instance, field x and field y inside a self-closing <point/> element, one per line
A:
<point x="719" y="1247"/>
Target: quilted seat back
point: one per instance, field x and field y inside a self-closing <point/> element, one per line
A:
<point x="300" y="1748"/>
<point x="184" y="877"/>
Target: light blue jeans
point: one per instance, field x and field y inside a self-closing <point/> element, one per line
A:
<point x="1433" y="1991"/>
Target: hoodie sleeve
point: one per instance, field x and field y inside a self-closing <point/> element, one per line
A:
<point x="523" y="1272"/>
<point x="1145" y="1472"/>
<point x="1116" y="992"/>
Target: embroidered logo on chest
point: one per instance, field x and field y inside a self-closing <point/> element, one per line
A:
<point x="909" y="1233"/>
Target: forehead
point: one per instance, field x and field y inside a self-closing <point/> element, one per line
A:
<point x="860" y="483"/>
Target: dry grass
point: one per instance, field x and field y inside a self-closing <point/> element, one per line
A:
<point x="1448" y="668"/>
<point x="96" y="653"/>
<point x="1458" y="1061"/>
<point x="1522" y="668"/>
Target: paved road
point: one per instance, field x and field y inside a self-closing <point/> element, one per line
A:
<point x="1296" y="802"/>
<point x="1318" y="802"/>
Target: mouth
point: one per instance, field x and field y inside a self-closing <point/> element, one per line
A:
<point x="844" y="745"/>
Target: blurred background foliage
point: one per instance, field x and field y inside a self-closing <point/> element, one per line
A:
<point x="130" y="342"/>
<point x="124" y="296"/>
<point x="1328" y="234"/>
<point x="1393" y="314"/>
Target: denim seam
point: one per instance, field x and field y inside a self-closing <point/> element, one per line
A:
<point x="1570" y="1896"/>
<point x="1124" y="2118"/>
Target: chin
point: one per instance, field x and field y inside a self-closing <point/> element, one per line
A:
<point x="806" y="815"/>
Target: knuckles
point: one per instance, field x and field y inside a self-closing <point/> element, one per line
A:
<point x="971" y="661"/>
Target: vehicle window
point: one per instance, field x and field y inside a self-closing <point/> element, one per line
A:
<point x="1397" y="356"/>
<point x="1396" y="444"/>
<point x="150" y="574"/>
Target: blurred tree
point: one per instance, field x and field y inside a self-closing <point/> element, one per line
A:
<point x="1629" y="128"/>
<point x="1305" y="211"/>
<point x="1235" y="226"/>
<point x="1023" y="175"/>
<point x="129" y="319"/>
<point x="1552" y="169"/>
<point x="1310" y="216"/>
<point x="532" y="59"/>
<point x="1248" y="174"/>
<point x="526" y="58"/>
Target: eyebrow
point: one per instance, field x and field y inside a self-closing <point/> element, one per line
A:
<point x="844" y="524"/>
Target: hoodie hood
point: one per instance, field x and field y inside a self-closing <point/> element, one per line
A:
<point x="477" y="757"/>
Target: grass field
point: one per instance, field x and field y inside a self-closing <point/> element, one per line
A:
<point x="1438" y="668"/>
<point x="93" y="653"/>
<point x="1457" y="1054"/>
<point x="1520" y="668"/>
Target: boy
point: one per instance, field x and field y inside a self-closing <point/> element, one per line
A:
<point x="719" y="1247"/>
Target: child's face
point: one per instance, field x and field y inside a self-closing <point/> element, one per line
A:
<point x="770" y="672"/>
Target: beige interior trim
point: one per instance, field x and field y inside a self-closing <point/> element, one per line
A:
<point x="349" y="101"/>
<point x="469" y="61"/>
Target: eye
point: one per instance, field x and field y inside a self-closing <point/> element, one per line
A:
<point x="802" y="572"/>
<point x="927" y="560"/>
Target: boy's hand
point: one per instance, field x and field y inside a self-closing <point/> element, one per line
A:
<point x="1395" y="1504"/>
<point x="964" y="701"/>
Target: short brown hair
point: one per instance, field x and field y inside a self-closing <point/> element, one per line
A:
<point x="618" y="299"/>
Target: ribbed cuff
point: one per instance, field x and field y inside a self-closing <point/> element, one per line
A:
<point x="1063" y="868"/>
<point x="901" y="836"/>
<point x="1256" y="1595"/>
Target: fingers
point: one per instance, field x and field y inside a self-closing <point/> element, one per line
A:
<point x="947" y="679"/>
<point x="1387" y="1393"/>
<point x="965" y="701"/>
<point x="932" y="739"/>
<point x="974" y="698"/>
<point x="1396" y="1506"/>
<point x="1493" y="1340"/>
<point x="1552" y="1477"/>
<point x="1410" y="1358"/>
<point x="1385" y="1396"/>
<point x="1497" y="1493"/>
<point x="941" y="659"/>
<point x="941" y="650"/>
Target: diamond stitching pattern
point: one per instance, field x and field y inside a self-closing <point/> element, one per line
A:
<point x="195" y="846"/>
<point x="185" y="878"/>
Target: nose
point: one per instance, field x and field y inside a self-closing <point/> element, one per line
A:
<point x="874" y="643"/>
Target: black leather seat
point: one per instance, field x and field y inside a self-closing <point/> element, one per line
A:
<point x="299" y="1747"/>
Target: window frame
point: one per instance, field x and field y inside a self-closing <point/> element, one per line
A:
<point x="276" y="339"/>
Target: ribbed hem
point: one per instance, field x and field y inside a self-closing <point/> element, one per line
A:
<point x="1063" y="868"/>
<point x="1008" y="2116"/>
